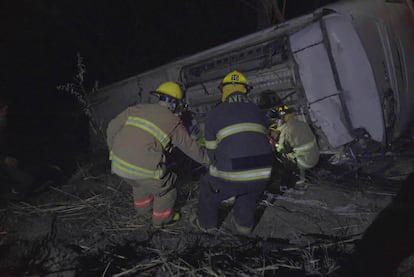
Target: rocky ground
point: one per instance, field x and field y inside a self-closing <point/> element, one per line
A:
<point x="87" y="227"/>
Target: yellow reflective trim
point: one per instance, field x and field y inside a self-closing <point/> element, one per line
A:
<point x="135" y="170"/>
<point x="211" y="144"/>
<point x="150" y="127"/>
<point x="240" y="128"/>
<point x="305" y="147"/>
<point x="302" y="163"/>
<point x="246" y="175"/>
<point x="201" y="141"/>
<point x="235" y="129"/>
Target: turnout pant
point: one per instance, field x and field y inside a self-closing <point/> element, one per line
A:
<point x="156" y="196"/>
<point x="214" y="190"/>
<point x="284" y="173"/>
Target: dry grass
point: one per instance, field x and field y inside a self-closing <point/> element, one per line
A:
<point x="102" y="205"/>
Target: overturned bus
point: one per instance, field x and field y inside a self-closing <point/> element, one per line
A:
<point x="347" y="69"/>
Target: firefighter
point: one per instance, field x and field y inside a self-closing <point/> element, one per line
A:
<point x="139" y="139"/>
<point x="240" y="155"/>
<point x="296" y="145"/>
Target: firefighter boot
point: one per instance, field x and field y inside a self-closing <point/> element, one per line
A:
<point x="242" y="229"/>
<point x="301" y="184"/>
<point x="196" y="224"/>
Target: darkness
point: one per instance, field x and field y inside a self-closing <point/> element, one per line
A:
<point x="40" y="40"/>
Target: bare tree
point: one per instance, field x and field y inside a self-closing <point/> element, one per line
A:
<point x="269" y="13"/>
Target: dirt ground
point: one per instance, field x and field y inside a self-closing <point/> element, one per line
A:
<point x="87" y="227"/>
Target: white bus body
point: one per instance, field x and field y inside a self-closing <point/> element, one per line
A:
<point x="347" y="68"/>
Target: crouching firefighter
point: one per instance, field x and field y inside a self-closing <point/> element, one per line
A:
<point x="139" y="139"/>
<point x="240" y="154"/>
<point x="295" y="145"/>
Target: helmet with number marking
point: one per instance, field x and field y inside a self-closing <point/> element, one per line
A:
<point x="234" y="82"/>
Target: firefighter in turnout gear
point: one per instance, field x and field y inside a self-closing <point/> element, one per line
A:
<point x="139" y="139"/>
<point x="240" y="154"/>
<point x="295" y="145"/>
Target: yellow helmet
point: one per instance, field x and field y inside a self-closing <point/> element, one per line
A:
<point x="237" y="80"/>
<point x="171" y="89"/>
<point x="283" y="110"/>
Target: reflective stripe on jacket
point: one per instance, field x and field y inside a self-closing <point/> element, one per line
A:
<point x="300" y="138"/>
<point x="304" y="150"/>
<point x="234" y="129"/>
<point x="236" y="141"/>
<point x="237" y="176"/>
<point x="139" y="136"/>
<point x="151" y="128"/>
<point x="134" y="170"/>
<point x="305" y="147"/>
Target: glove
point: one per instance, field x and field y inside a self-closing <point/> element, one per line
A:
<point x="194" y="130"/>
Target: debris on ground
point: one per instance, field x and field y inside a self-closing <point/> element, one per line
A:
<point x="88" y="227"/>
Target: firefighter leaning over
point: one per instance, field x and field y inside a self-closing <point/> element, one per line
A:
<point x="240" y="154"/>
<point x="138" y="139"/>
<point x="295" y="144"/>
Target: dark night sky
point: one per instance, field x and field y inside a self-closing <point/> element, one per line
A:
<point x="39" y="41"/>
<point x="117" y="39"/>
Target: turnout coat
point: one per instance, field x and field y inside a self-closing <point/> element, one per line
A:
<point x="139" y="137"/>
